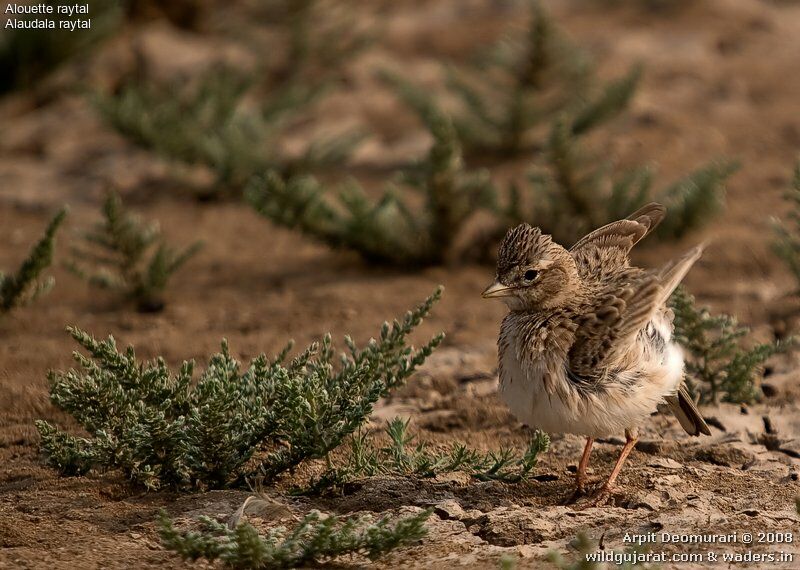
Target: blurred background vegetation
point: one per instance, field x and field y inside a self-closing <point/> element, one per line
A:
<point x="241" y="126"/>
<point x="533" y="94"/>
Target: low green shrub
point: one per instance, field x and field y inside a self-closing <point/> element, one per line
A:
<point x="167" y="429"/>
<point x="24" y="286"/>
<point x="120" y="253"/>
<point x="403" y="457"/>
<point x="419" y="229"/>
<point x="524" y="83"/>
<point x="719" y="367"/>
<point x="315" y="539"/>
<point x="571" y="191"/>
<point x="787" y="244"/>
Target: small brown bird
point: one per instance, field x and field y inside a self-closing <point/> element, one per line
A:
<point x="586" y="346"/>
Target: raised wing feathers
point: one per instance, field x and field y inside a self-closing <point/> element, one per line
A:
<point x="625" y="299"/>
<point x="671" y="274"/>
<point x="611" y="244"/>
<point x="623" y="308"/>
<point x="606" y="331"/>
<point x="625" y="233"/>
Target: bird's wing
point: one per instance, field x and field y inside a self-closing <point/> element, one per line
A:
<point x="671" y="274"/>
<point x="607" y="329"/>
<point x="610" y="245"/>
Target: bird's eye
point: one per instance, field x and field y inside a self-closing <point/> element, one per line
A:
<point x="531" y="274"/>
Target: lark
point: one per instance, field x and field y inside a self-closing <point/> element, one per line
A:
<point x="586" y="347"/>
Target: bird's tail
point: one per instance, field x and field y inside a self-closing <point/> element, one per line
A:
<point x="687" y="413"/>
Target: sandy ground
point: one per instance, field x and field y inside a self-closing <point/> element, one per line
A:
<point x="721" y="81"/>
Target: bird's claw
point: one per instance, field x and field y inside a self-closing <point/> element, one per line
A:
<point x="601" y="497"/>
<point x="577" y="494"/>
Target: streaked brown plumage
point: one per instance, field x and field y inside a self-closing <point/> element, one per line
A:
<point x="586" y="346"/>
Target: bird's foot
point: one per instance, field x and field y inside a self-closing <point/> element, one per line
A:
<point x="579" y="493"/>
<point x="602" y="497"/>
<point x="583" y="500"/>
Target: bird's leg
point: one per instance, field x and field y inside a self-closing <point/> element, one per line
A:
<point x="631" y="437"/>
<point x="580" y="475"/>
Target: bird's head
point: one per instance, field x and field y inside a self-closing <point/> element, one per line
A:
<point x="533" y="272"/>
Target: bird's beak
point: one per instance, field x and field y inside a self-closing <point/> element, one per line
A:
<point x="496" y="289"/>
